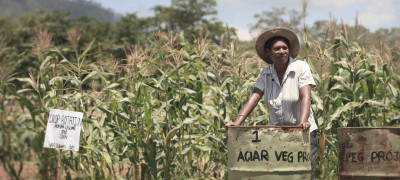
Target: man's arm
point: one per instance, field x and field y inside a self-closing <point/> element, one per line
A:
<point x="305" y="95"/>
<point x="247" y="108"/>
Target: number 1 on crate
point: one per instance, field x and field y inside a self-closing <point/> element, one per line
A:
<point x="256" y="140"/>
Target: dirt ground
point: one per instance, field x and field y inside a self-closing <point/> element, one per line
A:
<point x="29" y="171"/>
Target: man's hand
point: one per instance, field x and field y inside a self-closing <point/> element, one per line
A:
<point x="305" y="125"/>
<point x="231" y="124"/>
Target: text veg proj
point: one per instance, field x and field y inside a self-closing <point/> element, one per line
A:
<point x="374" y="156"/>
<point x="263" y="155"/>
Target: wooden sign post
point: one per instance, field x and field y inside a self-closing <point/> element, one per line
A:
<point x="63" y="132"/>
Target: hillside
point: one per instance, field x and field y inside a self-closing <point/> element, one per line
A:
<point x="16" y="8"/>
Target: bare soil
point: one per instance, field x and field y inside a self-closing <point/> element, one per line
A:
<point x="29" y="171"/>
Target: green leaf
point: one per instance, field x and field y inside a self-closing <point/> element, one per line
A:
<point x="111" y="86"/>
<point x="343" y="83"/>
<point x="123" y="115"/>
<point x="55" y="79"/>
<point x="171" y="74"/>
<point x="203" y="148"/>
<point x="45" y="62"/>
<point x="172" y="133"/>
<point x="189" y="91"/>
<point x="107" y="157"/>
<point x="339" y="88"/>
<point x="347" y="107"/>
<point x="190" y="120"/>
<point x="72" y="66"/>
<point x="91" y="74"/>
<point x="29" y="81"/>
<point x="395" y="91"/>
<point x="212" y="111"/>
<point x="318" y="100"/>
<point x="187" y="149"/>
<point x="343" y="64"/>
<point x="87" y="49"/>
<point x="361" y="74"/>
<point x="86" y="120"/>
<point x="374" y="103"/>
<point x="105" y="110"/>
<point x="154" y="87"/>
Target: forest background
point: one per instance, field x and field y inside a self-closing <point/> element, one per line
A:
<point x="156" y="91"/>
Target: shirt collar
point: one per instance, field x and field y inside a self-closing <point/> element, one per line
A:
<point x="291" y="66"/>
<point x="289" y="69"/>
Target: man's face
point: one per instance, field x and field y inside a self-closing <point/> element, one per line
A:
<point x="279" y="52"/>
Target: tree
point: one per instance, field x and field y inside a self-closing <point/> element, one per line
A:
<point x="190" y="17"/>
<point x="130" y="29"/>
<point x="278" y="17"/>
<point x="184" y="15"/>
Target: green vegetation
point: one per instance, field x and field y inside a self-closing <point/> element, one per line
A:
<point x="155" y="98"/>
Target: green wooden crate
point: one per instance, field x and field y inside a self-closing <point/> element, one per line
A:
<point x="268" y="152"/>
<point x="369" y="153"/>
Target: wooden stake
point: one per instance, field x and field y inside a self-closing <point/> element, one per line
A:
<point x="59" y="170"/>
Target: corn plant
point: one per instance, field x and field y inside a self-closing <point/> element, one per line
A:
<point x="159" y="112"/>
<point x="356" y="90"/>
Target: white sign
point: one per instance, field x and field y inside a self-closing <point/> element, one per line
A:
<point x="63" y="130"/>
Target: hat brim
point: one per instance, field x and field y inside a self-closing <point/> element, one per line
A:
<point x="268" y="34"/>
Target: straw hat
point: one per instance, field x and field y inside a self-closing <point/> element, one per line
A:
<point x="268" y="34"/>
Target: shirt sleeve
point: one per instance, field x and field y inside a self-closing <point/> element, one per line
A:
<point x="260" y="82"/>
<point x="305" y="77"/>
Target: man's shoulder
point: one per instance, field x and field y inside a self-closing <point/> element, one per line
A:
<point x="266" y="70"/>
<point x="300" y="65"/>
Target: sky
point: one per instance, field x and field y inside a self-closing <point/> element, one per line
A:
<point x="373" y="14"/>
